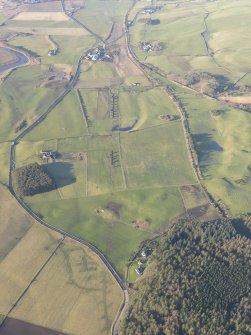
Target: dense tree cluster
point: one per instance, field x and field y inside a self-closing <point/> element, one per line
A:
<point x="33" y="179"/>
<point x="212" y="84"/>
<point x="198" y="282"/>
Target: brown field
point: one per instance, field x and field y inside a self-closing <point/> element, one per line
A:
<point x="126" y="65"/>
<point x="51" y="31"/>
<point x="117" y="33"/>
<point x="14" y="223"/>
<point x="197" y="204"/>
<point x="74" y="294"/>
<point x="22" y="263"/>
<point x="99" y="83"/>
<point x="203" y="213"/>
<point x="243" y="99"/>
<point x="62" y="292"/>
<point x="65" y="68"/>
<point x="41" y="16"/>
<point x="52" y="6"/>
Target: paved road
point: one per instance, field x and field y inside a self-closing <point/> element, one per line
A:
<point x="99" y="253"/>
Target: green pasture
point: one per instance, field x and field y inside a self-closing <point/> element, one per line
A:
<point x="185" y="50"/>
<point x="104" y="172"/>
<point x="97" y="103"/>
<point x="156" y="157"/>
<point x="99" y="15"/>
<point x="98" y="110"/>
<point x="145" y="107"/>
<point x="131" y="275"/>
<point x="70" y="49"/>
<point x="223" y="144"/>
<point x="66" y="120"/>
<point x="114" y="230"/>
<point x="68" y="145"/>
<point x="70" y="178"/>
<point x="22" y="97"/>
<point x="98" y="70"/>
<point x="37" y="44"/>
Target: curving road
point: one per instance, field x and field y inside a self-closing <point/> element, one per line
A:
<point x="14" y="143"/>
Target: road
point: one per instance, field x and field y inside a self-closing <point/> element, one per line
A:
<point x="102" y="257"/>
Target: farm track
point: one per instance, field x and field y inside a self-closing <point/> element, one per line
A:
<point x="15" y="141"/>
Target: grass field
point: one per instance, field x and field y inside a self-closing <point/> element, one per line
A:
<point x="116" y="222"/>
<point x="145" y="107"/>
<point x="22" y="97"/>
<point x="106" y="12"/>
<point x="165" y="160"/>
<point x="180" y="29"/>
<point x="93" y="198"/>
<point x="66" y="120"/>
<point x="39" y="45"/>
<point x="73" y="293"/>
<point x="223" y="144"/>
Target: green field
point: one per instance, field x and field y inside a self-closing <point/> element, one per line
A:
<point x="66" y="121"/>
<point x="223" y="144"/>
<point x="108" y="13"/>
<point x="125" y="187"/>
<point x="165" y="160"/>
<point x="24" y="97"/>
<point x="145" y="107"/>
<point x="184" y="49"/>
<point x="125" y="218"/>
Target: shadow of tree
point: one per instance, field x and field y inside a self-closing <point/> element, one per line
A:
<point x="14" y="326"/>
<point x="61" y="172"/>
<point x="205" y="146"/>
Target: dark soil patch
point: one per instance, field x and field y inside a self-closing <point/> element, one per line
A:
<point x="190" y="188"/>
<point x="114" y="207"/>
<point x="199" y="211"/>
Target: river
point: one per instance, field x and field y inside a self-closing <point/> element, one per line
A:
<point x="22" y="59"/>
